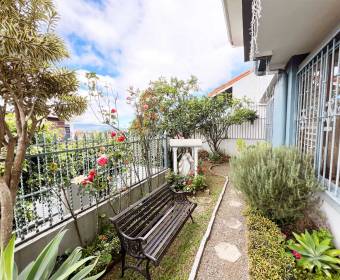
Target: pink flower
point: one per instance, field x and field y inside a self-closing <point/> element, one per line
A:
<point x="113" y="110"/>
<point x="84" y="182"/>
<point x="113" y="134"/>
<point x="146" y="106"/>
<point x="102" y="160"/>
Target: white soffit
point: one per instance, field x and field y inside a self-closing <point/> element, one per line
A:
<point x="233" y="15"/>
<point x="292" y="27"/>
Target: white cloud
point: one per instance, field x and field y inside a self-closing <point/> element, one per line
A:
<point x="142" y="40"/>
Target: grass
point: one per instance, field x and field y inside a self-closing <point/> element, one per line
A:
<point x="177" y="262"/>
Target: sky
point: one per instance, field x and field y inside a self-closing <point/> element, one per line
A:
<point x="131" y="42"/>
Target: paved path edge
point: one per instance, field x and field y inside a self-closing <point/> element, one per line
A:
<point x="206" y="236"/>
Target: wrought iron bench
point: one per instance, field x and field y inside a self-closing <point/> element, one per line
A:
<point x="147" y="228"/>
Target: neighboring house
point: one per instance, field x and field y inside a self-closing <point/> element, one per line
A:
<point x="246" y="85"/>
<point x="61" y="125"/>
<point x="299" y="42"/>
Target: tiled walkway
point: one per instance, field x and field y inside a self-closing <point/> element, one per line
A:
<point x="225" y="255"/>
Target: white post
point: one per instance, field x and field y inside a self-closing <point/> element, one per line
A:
<point x="174" y="153"/>
<point x="195" y="160"/>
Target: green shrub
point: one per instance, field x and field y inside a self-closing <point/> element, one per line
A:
<point x="215" y="157"/>
<point x="301" y="274"/>
<point x="188" y="183"/>
<point x="268" y="259"/>
<point x="106" y="246"/>
<point x="198" y="183"/>
<point x="279" y="182"/>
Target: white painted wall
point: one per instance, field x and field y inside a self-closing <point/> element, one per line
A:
<point x="229" y="146"/>
<point x="252" y="86"/>
<point x="331" y="209"/>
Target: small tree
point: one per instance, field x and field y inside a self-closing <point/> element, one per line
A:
<point x="216" y="116"/>
<point x="31" y="87"/>
<point x="166" y="105"/>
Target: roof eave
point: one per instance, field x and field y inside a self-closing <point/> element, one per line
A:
<point x="227" y="20"/>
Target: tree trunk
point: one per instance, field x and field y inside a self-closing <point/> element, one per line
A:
<point x="6" y="217"/>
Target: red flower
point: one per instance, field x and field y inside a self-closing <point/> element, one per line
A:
<point x="102" y="160"/>
<point x="121" y="138"/>
<point x="92" y="172"/>
<point x="113" y="134"/>
<point x="113" y="110"/>
<point x="296" y="255"/>
<point x="90" y="178"/>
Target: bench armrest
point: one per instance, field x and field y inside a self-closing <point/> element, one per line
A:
<point x="132" y="245"/>
<point x="180" y="197"/>
<point x="140" y="239"/>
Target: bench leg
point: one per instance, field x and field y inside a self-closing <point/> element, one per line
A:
<point x="192" y="219"/>
<point x="123" y="262"/>
<point x="147" y="271"/>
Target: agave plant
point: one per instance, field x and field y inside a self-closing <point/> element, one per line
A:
<point x="315" y="254"/>
<point x="74" y="267"/>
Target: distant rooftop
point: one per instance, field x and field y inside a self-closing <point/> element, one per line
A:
<point x="229" y="84"/>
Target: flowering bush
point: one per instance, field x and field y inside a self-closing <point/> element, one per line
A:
<point x="106" y="246"/>
<point x="189" y="183"/>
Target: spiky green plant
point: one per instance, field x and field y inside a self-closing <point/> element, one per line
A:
<point x="317" y="255"/>
<point x="44" y="266"/>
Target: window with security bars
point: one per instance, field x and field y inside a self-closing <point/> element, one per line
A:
<point x="318" y="117"/>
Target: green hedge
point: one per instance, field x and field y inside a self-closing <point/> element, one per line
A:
<point x="306" y="275"/>
<point x="268" y="259"/>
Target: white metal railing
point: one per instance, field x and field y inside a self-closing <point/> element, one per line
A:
<point x="318" y="117"/>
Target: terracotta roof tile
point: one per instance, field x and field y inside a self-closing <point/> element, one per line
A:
<point x="228" y="84"/>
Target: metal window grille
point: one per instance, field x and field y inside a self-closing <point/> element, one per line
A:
<point x="50" y="166"/>
<point x="318" y="117"/>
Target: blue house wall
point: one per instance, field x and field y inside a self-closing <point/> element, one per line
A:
<point x="285" y="105"/>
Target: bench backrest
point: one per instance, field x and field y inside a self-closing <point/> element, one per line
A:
<point x="140" y="217"/>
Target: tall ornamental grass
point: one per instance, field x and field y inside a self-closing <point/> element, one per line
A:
<point x="279" y="182"/>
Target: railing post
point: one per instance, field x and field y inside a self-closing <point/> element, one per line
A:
<point x="165" y="150"/>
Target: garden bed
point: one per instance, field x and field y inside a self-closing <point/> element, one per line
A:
<point x="287" y="237"/>
<point x="177" y="262"/>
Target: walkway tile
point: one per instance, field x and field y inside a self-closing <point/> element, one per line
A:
<point x="225" y="254"/>
<point x="233" y="223"/>
<point x="234" y="203"/>
<point x="227" y="251"/>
